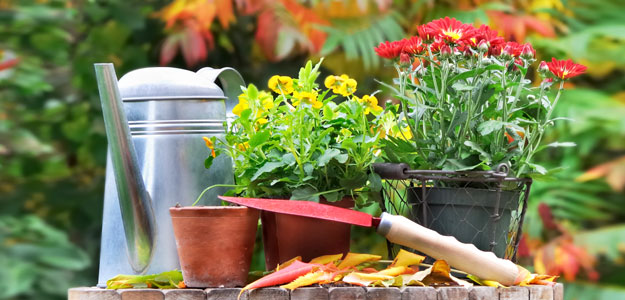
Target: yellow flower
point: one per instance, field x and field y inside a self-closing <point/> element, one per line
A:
<point x="346" y="132"/>
<point x="371" y="104"/>
<point x="281" y="84"/>
<point x="334" y="82"/>
<point x="348" y="87"/>
<point x="306" y="97"/>
<point x="241" y="106"/>
<point x="210" y="144"/>
<point x="266" y="100"/>
<point x="262" y="121"/>
<point x="243" y="146"/>
<point x="403" y="133"/>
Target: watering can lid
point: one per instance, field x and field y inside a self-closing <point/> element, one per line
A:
<point x="166" y="83"/>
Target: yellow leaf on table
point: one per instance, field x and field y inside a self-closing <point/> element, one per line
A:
<point x="354" y="259"/>
<point x="288" y="263"/>
<point x="395" y="271"/>
<point x="365" y="279"/>
<point x="406" y="258"/>
<point x="326" y="259"/>
<point x="485" y="282"/>
<point x="436" y="275"/>
<point x="305" y="280"/>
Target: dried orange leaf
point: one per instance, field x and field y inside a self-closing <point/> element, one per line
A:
<point x="354" y="259"/>
<point x="326" y="259"/>
<point x="282" y="276"/>
<point x="406" y="258"/>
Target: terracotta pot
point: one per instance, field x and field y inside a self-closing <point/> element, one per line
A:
<point x="215" y="244"/>
<point x="288" y="236"/>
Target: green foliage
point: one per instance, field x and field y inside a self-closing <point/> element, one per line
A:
<point x="37" y="260"/>
<point x="357" y="35"/>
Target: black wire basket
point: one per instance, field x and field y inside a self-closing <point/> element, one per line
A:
<point x="484" y="208"/>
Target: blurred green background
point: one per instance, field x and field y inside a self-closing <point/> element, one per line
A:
<point x="53" y="145"/>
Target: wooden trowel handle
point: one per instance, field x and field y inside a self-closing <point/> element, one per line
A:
<point x="465" y="257"/>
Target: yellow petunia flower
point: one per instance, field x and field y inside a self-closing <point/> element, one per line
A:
<point x="334" y="82"/>
<point x="403" y="133"/>
<point x="306" y="97"/>
<point x="266" y="100"/>
<point x="241" y="106"/>
<point x="281" y="84"/>
<point x="243" y="146"/>
<point x="348" y="87"/>
<point x="371" y="105"/>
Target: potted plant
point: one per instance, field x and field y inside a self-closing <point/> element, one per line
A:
<point x="296" y="142"/>
<point x="466" y="103"/>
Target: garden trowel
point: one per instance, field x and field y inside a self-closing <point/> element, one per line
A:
<point x="400" y="230"/>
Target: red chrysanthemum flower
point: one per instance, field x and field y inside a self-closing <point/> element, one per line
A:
<point x="565" y="69"/>
<point x="512" y="49"/>
<point x="490" y="37"/>
<point x="436" y="46"/>
<point x="424" y="33"/>
<point x="390" y="50"/>
<point x="413" y="45"/>
<point x="449" y="29"/>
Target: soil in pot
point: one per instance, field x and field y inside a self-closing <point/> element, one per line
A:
<point x="465" y="213"/>
<point x="215" y="244"/>
<point x="288" y="236"/>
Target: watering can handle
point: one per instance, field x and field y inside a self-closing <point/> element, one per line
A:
<point x="231" y="82"/>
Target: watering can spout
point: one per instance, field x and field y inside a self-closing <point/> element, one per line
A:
<point x="134" y="200"/>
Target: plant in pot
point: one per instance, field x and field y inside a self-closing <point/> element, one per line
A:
<point x="464" y="94"/>
<point x="296" y="142"/>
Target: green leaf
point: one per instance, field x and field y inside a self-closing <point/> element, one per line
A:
<point x="489" y="126"/>
<point x="208" y="162"/>
<point x="259" y="138"/>
<point x="538" y="168"/>
<point x="375" y="182"/>
<point x="306" y="193"/>
<point x="266" y="168"/>
<point x="479" y="149"/>
<point x="327" y="156"/>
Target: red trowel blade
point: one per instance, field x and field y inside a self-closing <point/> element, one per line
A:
<point x="306" y="209"/>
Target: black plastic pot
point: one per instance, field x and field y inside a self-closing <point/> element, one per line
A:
<point x="478" y="216"/>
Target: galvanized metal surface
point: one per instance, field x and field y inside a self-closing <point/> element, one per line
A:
<point x="169" y="111"/>
<point x="137" y="213"/>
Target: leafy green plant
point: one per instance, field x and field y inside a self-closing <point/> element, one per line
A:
<point x="464" y="95"/>
<point x="37" y="259"/>
<point x="301" y="144"/>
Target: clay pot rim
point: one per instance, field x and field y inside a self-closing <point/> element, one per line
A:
<point x="210" y="211"/>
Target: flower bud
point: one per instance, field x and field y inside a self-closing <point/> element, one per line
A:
<point x="445" y="52"/>
<point x="507" y="52"/>
<point x="405" y="60"/>
<point x="543" y="68"/>
<point x="482" y="46"/>
<point x="528" y="52"/>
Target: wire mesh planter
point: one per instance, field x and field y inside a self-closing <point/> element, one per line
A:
<point x="484" y="208"/>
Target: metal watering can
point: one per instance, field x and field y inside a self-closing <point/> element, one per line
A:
<point x="155" y="119"/>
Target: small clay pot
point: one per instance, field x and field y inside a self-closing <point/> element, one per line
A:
<point x="287" y="236"/>
<point x="215" y="244"/>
